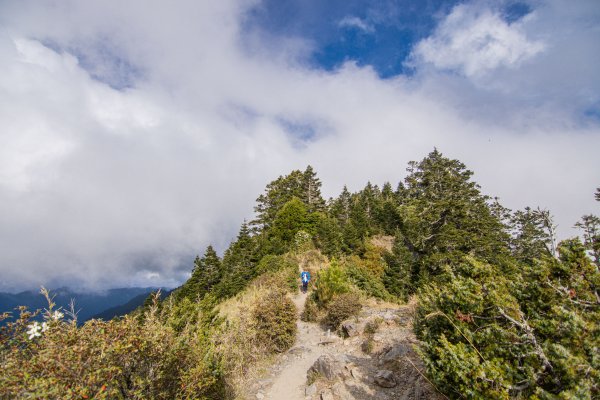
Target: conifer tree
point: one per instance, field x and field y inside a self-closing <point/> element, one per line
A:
<point x="302" y="185"/>
<point x="398" y="276"/>
<point x="239" y="263"/>
<point x="210" y="265"/>
<point x="590" y="225"/>
<point x="444" y="216"/>
<point x="311" y="195"/>
<point x="292" y="218"/>
<point x="530" y="240"/>
<point x="340" y="207"/>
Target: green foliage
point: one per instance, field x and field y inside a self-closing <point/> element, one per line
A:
<point x="279" y="271"/>
<point x="291" y="219"/>
<point x="503" y="311"/>
<point x="444" y="216"/>
<point x="205" y="275"/>
<point x="330" y="282"/>
<point x="590" y="225"/>
<point x="530" y="239"/>
<point x="305" y="186"/>
<point x="275" y="319"/>
<point x="400" y="276"/>
<point x="238" y="265"/>
<point x="342" y="307"/>
<point x="365" y="277"/>
<point x="531" y="331"/>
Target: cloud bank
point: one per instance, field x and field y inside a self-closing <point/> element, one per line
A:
<point x="135" y="134"/>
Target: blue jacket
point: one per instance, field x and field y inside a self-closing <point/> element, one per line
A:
<point x="305" y="275"/>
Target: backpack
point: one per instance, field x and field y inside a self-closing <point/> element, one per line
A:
<point x="305" y="277"/>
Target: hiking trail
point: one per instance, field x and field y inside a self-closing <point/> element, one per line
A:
<point x="369" y="364"/>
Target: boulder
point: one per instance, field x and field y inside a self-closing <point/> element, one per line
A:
<point x="310" y="390"/>
<point x="392" y="357"/>
<point x="327" y="395"/>
<point x="350" y="329"/>
<point x="327" y="366"/>
<point x="385" y="378"/>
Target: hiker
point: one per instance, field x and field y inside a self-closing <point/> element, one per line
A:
<point x="305" y="276"/>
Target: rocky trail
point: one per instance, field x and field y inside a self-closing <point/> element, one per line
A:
<point x="375" y="361"/>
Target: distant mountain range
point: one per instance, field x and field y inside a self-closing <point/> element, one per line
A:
<point x="105" y="305"/>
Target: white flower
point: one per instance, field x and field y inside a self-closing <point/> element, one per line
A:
<point x="56" y="315"/>
<point x="44" y="326"/>
<point x="34" y="330"/>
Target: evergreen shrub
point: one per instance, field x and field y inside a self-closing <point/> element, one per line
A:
<point x="342" y="307"/>
<point x="274" y="316"/>
<point x="365" y="279"/>
<point x="330" y="282"/>
<point x="311" y="310"/>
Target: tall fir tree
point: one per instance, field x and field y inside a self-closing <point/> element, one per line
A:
<point x="302" y="185"/>
<point x="444" y="216"/>
<point x="312" y="191"/>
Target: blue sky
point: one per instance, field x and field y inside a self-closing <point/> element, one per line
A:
<point x="136" y="133"/>
<point x="378" y="33"/>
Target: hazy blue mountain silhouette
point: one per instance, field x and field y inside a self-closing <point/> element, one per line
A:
<point x="87" y="305"/>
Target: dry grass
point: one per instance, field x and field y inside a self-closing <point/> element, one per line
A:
<point x="312" y="261"/>
<point x="383" y="242"/>
<point x="246" y="357"/>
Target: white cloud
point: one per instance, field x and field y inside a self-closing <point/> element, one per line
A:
<point x="104" y="187"/>
<point x="475" y="41"/>
<point x="357" y="23"/>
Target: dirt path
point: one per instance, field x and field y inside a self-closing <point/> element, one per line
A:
<point x="291" y="381"/>
<point x="390" y="348"/>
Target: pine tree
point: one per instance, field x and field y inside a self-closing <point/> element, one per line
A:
<point x="302" y="185"/>
<point x="340" y="207"/>
<point x="590" y="225"/>
<point x="292" y="218"/>
<point x="444" y="216"/>
<point x="398" y="276"/>
<point x="210" y="265"/>
<point x="530" y="240"/>
<point x="239" y="263"/>
<point x="312" y="191"/>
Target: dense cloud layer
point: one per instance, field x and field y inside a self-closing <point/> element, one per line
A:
<point x="136" y="133"/>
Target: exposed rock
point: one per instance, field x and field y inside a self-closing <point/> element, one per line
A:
<point x="389" y="317"/>
<point x="350" y="329"/>
<point x="327" y="341"/>
<point x="356" y="374"/>
<point x="327" y="395"/>
<point x="310" y="390"/>
<point x="392" y="357"/>
<point x="260" y="396"/>
<point x="327" y="366"/>
<point x="385" y="378"/>
<point x="339" y="390"/>
<point x="298" y="350"/>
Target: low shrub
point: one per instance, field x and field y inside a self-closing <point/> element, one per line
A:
<point x="366" y="279"/>
<point x="311" y="310"/>
<point x="274" y="317"/>
<point x="330" y="282"/>
<point x="278" y="272"/>
<point x="107" y="360"/>
<point x="371" y="328"/>
<point x="342" y="307"/>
